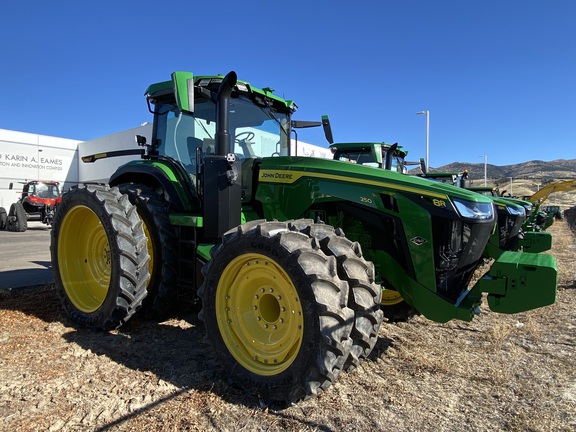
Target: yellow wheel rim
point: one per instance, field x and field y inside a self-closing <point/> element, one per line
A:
<point x="150" y="248"/>
<point x="259" y="314"/>
<point x="391" y="297"/>
<point x="84" y="259"/>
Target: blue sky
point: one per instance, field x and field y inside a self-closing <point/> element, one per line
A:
<point x="498" y="76"/>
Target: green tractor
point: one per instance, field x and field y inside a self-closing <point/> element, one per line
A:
<point x="286" y="254"/>
<point x="509" y="234"/>
<point x="515" y="223"/>
<point x="536" y="222"/>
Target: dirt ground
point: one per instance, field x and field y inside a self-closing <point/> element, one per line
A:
<point x="500" y="372"/>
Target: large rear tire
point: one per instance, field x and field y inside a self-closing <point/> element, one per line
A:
<point x="364" y="295"/>
<point x="99" y="256"/>
<point x="276" y="311"/>
<point x="17" y="220"/>
<point x="162" y="243"/>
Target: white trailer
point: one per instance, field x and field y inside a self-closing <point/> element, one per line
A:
<point x="101" y="170"/>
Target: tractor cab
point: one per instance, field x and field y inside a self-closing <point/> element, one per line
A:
<point x="258" y="127"/>
<point x="209" y="136"/>
<point x="46" y="192"/>
<point x="378" y="155"/>
<point x="457" y="179"/>
<point x="39" y="199"/>
<point x="485" y="190"/>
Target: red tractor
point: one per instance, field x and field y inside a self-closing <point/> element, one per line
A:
<point x="38" y="202"/>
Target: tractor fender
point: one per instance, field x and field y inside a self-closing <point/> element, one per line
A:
<point x="160" y="177"/>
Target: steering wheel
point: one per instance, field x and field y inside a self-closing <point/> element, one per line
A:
<point x="249" y="136"/>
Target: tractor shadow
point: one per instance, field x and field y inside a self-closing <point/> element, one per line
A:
<point x="40" y="301"/>
<point x="173" y="350"/>
<point x="22" y="280"/>
<point x="379" y="350"/>
<point x="176" y="351"/>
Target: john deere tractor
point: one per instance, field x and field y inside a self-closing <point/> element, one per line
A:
<point x="510" y="232"/>
<point x="274" y="245"/>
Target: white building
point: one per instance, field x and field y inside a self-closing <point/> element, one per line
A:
<point x="25" y="156"/>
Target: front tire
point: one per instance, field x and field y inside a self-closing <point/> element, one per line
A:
<point x="99" y="256"/>
<point x="276" y="311"/>
<point x="364" y="296"/>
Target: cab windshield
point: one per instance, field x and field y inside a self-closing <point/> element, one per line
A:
<point x="398" y="164"/>
<point x="365" y="156"/>
<point x="358" y="156"/>
<point x="43" y="190"/>
<point x="255" y="131"/>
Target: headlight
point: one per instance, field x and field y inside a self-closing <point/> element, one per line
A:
<point x="516" y="211"/>
<point x="474" y="210"/>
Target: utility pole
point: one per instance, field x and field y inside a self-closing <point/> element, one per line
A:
<point x="485" y="169"/>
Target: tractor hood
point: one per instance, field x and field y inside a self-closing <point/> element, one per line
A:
<point x="363" y="184"/>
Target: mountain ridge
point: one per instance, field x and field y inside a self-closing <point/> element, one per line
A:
<point x="559" y="169"/>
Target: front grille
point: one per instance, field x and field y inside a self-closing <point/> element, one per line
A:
<point x="458" y="248"/>
<point x="508" y="228"/>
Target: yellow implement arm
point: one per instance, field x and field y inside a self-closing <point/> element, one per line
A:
<point x="557" y="186"/>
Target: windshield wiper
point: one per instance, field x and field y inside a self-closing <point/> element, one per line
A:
<point x="203" y="127"/>
<point x="270" y="114"/>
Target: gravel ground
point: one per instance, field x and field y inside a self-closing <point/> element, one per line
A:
<point x="500" y="372"/>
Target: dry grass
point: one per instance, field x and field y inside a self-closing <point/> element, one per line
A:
<point x="499" y="372"/>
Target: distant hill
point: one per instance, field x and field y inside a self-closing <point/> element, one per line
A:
<point x="539" y="170"/>
<point x="527" y="177"/>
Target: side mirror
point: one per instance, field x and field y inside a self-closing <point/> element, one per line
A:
<point x="141" y="140"/>
<point x="423" y="167"/>
<point x="325" y="123"/>
<point x="327" y="129"/>
<point x="184" y="90"/>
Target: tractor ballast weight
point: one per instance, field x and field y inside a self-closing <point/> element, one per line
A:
<point x="285" y="255"/>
